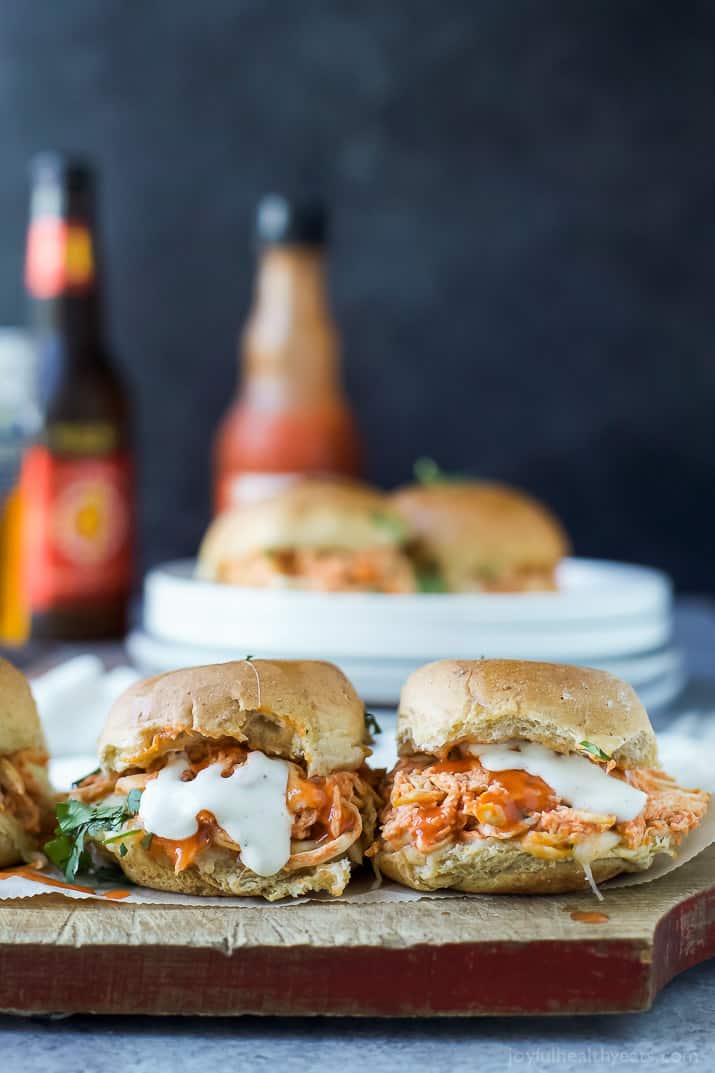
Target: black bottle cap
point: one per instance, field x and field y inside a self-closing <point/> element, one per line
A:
<point x="71" y="172"/>
<point x="286" y="221"/>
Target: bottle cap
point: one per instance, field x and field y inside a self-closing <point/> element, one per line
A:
<point x="285" y="221"/>
<point x="69" y="171"/>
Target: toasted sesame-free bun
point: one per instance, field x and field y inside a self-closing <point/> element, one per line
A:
<point x="496" y="700"/>
<point x="301" y="710"/>
<point x="310" y="514"/>
<point x="20" y="726"/>
<point x="221" y="873"/>
<point x="493" y="866"/>
<point x="482" y="535"/>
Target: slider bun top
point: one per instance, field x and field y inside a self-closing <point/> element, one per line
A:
<point x="301" y="710"/>
<point x="466" y="526"/>
<point x="498" y="700"/>
<point x="20" y="726"/>
<point x="308" y="514"/>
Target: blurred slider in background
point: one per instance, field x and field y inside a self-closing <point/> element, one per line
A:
<point x="290" y="417"/>
<point x="77" y="484"/>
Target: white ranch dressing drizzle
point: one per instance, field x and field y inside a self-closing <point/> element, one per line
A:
<point x="250" y="806"/>
<point x="576" y="780"/>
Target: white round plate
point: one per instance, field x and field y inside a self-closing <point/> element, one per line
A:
<point x="379" y="681"/>
<point x="602" y="610"/>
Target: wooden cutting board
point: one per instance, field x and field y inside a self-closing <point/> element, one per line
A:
<point x="471" y="956"/>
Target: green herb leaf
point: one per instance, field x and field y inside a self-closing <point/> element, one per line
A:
<point x="123" y="850"/>
<point x="391" y="524"/>
<point x="427" y="471"/>
<point x="372" y="724"/>
<point x="431" y="581"/>
<point x="59" y="850"/>
<point x="77" y="782"/>
<point x="77" y="821"/>
<point x="147" y="840"/>
<point x="594" y="750"/>
<point x="122" y="835"/>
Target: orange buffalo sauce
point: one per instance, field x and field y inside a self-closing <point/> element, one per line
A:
<point x="430" y="824"/>
<point x="589" y="917"/>
<point x="316" y="794"/>
<point x="512" y="796"/>
<point x="304" y="794"/>
<point x="453" y="767"/>
<point x="183" y="853"/>
<point x="528" y="792"/>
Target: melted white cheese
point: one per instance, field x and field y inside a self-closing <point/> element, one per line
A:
<point x="250" y="806"/>
<point x="577" y="781"/>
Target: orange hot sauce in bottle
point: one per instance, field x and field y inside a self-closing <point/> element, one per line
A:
<point x="290" y="418"/>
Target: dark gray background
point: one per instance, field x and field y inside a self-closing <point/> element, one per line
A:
<point x="524" y="206"/>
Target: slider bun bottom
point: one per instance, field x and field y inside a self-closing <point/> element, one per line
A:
<point x="218" y="872"/>
<point x="15" y="843"/>
<point x="494" y="867"/>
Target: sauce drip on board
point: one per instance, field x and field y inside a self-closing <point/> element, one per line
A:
<point x="591" y="916"/>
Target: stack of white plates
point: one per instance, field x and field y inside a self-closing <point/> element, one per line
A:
<point x="609" y="615"/>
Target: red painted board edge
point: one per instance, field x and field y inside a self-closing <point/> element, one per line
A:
<point x="589" y="975"/>
<point x="515" y="978"/>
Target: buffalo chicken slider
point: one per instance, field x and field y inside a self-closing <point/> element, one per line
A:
<point x="525" y="777"/>
<point x="317" y="535"/>
<point x="478" y="536"/>
<point x="26" y="800"/>
<point x="232" y="779"/>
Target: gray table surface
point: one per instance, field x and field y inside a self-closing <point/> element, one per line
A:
<point x="679" y="1032"/>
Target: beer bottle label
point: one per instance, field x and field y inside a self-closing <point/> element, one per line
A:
<point x="77" y="519"/>
<point x="59" y="257"/>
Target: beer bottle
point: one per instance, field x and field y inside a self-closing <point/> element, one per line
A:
<point x="76" y="484"/>
<point x="290" y="418"/>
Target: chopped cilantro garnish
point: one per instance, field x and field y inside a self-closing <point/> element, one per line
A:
<point x="594" y="750"/>
<point x="78" y="822"/>
<point x="391" y="524"/>
<point x="431" y="581"/>
<point x="427" y="471"/>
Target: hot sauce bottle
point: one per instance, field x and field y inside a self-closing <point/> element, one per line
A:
<point x="76" y="484"/>
<point x="290" y="418"/>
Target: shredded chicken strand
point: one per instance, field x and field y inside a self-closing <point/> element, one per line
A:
<point x="432" y="804"/>
<point x="22" y="793"/>
<point x="378" y="569"/>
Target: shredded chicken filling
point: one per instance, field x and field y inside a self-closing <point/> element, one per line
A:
<point x="381" y="569"/>
<point x="436" y="803"/>
<point x="22" y="794"/>
<point x="327" y="811"/>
